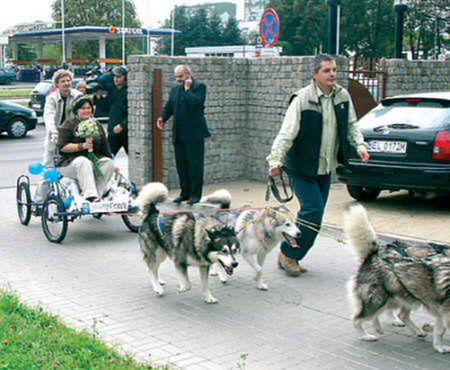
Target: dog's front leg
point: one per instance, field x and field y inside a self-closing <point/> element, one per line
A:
<point x="183" y="279"/>
<point x="438" y="336"/>
<point x="250" y="258"/>
<point x="404" y="315"/>
<point x="217" y="269"/>
<point x="261" y="257"/>
<point x="204" y="274"/>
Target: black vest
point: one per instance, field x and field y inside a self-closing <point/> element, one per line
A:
<point x="302" y="159"/>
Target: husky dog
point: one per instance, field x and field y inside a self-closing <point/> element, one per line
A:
<point x="188" y="239"/>
<point x="397" y="275"/>
<point x="259" y="232"/>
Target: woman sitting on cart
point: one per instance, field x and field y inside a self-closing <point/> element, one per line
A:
<point x="85" y="159"/>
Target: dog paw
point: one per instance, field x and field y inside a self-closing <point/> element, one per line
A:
<point x="159" y="291"/>
<point x="224" y="281"/>
<point x="379" y="331"/>
<point x="182" y="289"/>
<point x="211" y="300"/>
<point x="427" y="327"/>
<point x="398" y="324"/>
<point x="262" y="286"/>
<point x="162" y="282"/>
<point x="443" y="349"/>
<point x="213" y="273"/>
<point x="421" y="334"/>
<point x="368" y="338"/>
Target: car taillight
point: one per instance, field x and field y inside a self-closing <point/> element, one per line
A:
<point x="441" y="148"/>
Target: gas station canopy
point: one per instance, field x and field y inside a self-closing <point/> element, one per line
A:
<point x="82" y="34"/>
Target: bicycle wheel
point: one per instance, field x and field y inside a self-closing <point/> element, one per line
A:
<point x="133" y="223"/>
<point x="53" y="224"/>
<point x="24" y="203"/>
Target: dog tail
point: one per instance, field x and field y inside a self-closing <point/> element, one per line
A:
<point x="151" y="194"/>
<point x="222" y="197"/>
<point x="359" y="230"/>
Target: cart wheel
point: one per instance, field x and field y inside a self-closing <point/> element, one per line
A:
<point x="132" y="222"/>
<point x="24" y="203"/>
<point x="54" y="226"/>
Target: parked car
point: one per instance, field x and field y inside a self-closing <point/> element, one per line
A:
<point x="16" y="119"/>
<point x="409" y="145"/>
<point x="40" y="92"/>
<point x="7" y="76"/>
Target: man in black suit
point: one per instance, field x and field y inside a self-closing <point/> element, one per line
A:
<point x="187" y="106"/>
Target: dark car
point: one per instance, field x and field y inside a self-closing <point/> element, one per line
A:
<point x="7" y="76"/>
<point x="40" y="92"/>
<point x="16" y="119"/>
<point x="409" y="146"/>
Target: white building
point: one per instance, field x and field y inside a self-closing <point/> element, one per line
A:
<point x="236" y="51"/>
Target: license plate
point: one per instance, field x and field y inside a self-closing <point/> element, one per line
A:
<point x="37" y="106"/>
<point x="109" y="206"/>
<point x="381" y="146"/>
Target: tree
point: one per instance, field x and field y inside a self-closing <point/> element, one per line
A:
<point x="102" y="13"/>
<point x="199" y="29"/>
<point x="424" y="23"/>
<point x="232" y="34"/>
<point x="366" y="26"/>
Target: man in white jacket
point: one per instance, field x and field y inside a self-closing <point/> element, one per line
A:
<point x="56" y="111"/>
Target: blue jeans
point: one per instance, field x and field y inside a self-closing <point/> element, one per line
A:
<point x="312" y="196"/>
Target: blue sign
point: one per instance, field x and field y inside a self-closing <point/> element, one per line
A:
<point x="269" y="27"/>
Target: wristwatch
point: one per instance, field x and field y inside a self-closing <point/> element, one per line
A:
<point x="80" y="147"/>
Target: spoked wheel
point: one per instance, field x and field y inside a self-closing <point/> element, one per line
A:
<point x="132" y="222"/>
<point x="24" y="203"/>
<point x="53" y="224"/>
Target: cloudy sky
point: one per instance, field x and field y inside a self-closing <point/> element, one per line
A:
<point x="150" y="12"/>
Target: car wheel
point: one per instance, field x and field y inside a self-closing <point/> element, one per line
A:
<point x="17" y="128"/>
<point x="363" y="193"/>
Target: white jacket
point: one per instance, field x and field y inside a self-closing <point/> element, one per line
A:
<point x="53" y="111"/>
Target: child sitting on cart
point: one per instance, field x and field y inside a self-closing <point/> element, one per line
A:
<point x="84" y="149"/>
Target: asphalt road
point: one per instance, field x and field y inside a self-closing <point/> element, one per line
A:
<point x="17" y="154"/>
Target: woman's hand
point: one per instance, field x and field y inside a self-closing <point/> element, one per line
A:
<point x="88" y="145"/>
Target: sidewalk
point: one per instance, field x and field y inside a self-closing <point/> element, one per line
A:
<point x="97" y="280"/>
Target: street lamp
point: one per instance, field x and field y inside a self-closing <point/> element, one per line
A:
<point x="172" y="44"/>
<point x="334" y="10"/>
<point x="399" y="8"/>
<point x="63" y="35"/>
<point x="123" y="32"/>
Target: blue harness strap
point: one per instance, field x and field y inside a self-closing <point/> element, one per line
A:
<point x="161" y="225"/>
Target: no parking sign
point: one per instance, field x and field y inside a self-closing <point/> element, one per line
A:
<point x="269" y="27"/>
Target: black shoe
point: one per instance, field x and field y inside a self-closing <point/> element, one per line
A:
<point x="180" y="199"/>
<point x="193" y="200"/>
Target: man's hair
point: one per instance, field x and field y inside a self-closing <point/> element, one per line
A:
<point x="186" y="68"/>
<point x="81" y="83"/>
<point x="318" y="59"/>
<point x="60" y="73"/>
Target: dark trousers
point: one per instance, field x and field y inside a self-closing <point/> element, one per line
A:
<point x="312" y="196"/>
<point x="118" y="141"/>
<point x="189" y="158"/>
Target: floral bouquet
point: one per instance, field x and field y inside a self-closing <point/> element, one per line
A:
<point x="88" y="130"/>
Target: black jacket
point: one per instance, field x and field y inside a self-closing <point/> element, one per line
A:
<point x="188" y="111"/>
<point x="116" y="103"/>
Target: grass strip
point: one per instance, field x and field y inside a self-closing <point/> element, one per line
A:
<point x="33" y="339"/>
<point x="14" y="93"/>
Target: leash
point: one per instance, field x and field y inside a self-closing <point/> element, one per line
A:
<point x="272" y="187"/>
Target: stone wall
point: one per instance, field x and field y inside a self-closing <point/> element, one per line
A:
<point x="245" y="104"/>
<point x="413" y="76"/>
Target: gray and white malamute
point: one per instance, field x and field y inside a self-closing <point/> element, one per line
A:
<point x="260" y="231"/>
<point x="188" y="239"/>
<point x="397" y="275"/>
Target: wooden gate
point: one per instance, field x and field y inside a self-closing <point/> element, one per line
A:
<point x="157" y="159"/>
<point x="366" y="83"/>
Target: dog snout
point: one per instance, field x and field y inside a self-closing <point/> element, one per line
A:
<point x="234" y="264"/>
